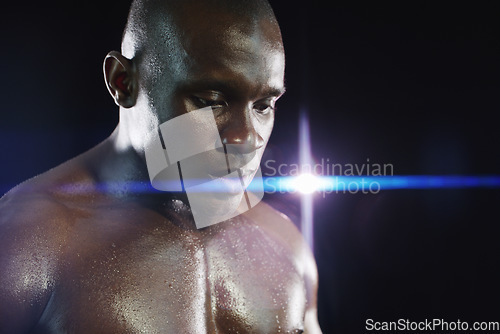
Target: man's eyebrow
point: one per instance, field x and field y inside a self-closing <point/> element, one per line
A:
<point x="227" y="86"/>
<point x="276" y="92"/>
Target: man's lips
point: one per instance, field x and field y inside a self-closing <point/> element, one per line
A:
<point x="234" y="182"/>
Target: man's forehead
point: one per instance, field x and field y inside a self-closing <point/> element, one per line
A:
<point x="206" y="26"/>
<point x="225" y="44"/>
<point x="237" y="58"/>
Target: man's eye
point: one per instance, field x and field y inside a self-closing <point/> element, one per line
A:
<point x="210" y="103"/>
<point x="263" y="109"/>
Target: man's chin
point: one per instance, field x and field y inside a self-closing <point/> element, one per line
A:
<point x="213" y="208"/>
<point x="219" y="205"/>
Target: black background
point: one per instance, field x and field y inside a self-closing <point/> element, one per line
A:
<point x="413" y="84"/>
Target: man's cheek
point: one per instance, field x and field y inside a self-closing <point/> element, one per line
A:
<point x="264" y="129"/>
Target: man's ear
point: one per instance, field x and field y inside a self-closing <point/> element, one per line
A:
<point x="120" y="79"/>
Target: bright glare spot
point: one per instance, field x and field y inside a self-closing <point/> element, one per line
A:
<point x="306" y="183"/>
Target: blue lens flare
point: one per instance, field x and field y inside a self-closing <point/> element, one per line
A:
<point x="322" y="184"/>
<point x="339" y="184"/>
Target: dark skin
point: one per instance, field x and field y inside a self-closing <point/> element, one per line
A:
<point x="81" y="252"/>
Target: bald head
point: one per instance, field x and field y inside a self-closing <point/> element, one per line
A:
<point x="154" y="24"/>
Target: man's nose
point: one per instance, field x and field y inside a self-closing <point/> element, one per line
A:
<point x="240" y="131"/>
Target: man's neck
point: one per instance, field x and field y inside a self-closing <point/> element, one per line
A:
<point x="120" y="171"/>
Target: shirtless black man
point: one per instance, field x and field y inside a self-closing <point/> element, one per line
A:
<point x="82" y="251"/>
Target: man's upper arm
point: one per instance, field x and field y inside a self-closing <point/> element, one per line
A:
<point x="27" y="267"/>
<point x="311" y="281"/>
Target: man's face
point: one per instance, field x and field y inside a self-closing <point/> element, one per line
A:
<point x="234" y="66"/>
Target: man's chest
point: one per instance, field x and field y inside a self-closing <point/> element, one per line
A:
<point x="238" y="281"/>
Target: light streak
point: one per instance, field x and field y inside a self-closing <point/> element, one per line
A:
<point x="306" y="199"/>
<point x="320" y="184"/>
<point x="305" y="183"/>
<point x="339" y="184"/>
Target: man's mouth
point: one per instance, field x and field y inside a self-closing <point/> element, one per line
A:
<point x="236" y="181"/>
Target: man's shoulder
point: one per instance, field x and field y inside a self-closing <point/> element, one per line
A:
<point x="32" y="236"/>
<point x="279" y="227"/>
<point x="36" y="202"/>
<point x="275" y="223"/>
<point x="32" y="227"/>
<point x="28" y="206"/>
<point x="35" y="216"/>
